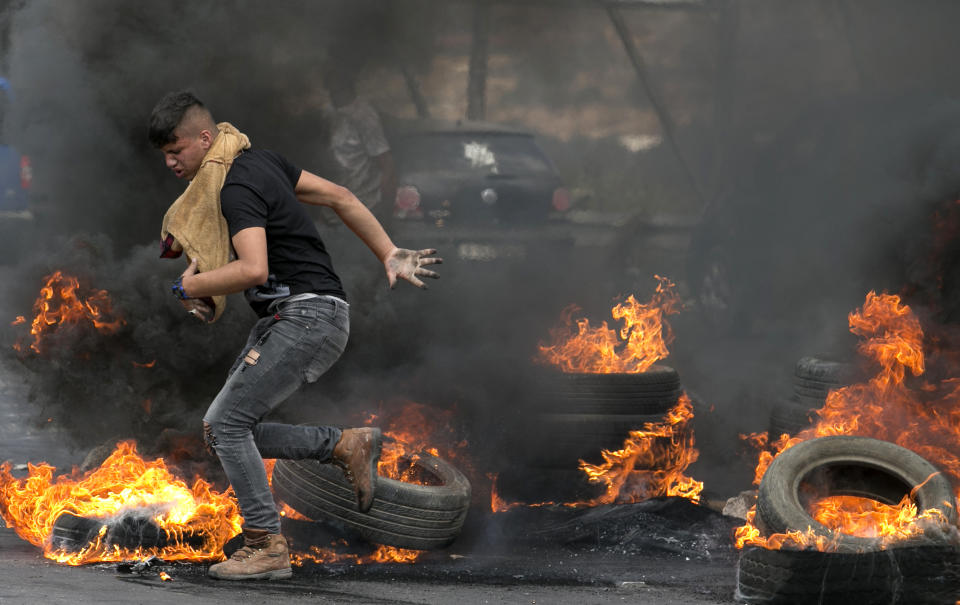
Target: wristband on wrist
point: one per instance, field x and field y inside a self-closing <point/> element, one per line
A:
<point x="177" y="288"/>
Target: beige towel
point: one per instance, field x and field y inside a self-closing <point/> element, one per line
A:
<point x="194" y="220"/>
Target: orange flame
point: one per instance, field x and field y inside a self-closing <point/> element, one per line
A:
<point x="864" y="517"/>
<point x="198" y="521"/>
<point x="884" y="408"/>
<point x="124" y="483"/>
<point x="651" y="464"/>
<point x="415" y="428"/>
<point x="497" y="503"/>
<point x="59" y="303"/>
<point x="383" y="554"/>
<point x="653" y="458"/>
<point x="640" y="342"/>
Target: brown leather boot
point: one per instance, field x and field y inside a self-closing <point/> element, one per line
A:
<point x="357" y="453"/>
<point x="264" y="556"/>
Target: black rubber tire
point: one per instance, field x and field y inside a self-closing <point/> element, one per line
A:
<point x="847" y="465"/>
<point x="574" y="437"/>
<point x="404" y="515"/>
<point x="644" y="393"/>
<point x="578" y="415"/>
<point x="823" y="369"/>
<point x="813" y="385"/>
<point x="910" y="575"/>
<point x="72" y="533"/>
<point x="815" y="376"/>
<point x="817" y="394"/>
<point x="137" y="532"/>
<point x="811" y="403"/>
<point x="791" y="417"/>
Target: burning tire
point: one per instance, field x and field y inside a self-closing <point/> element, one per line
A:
<point x="847" y="465"/>
<point x="581" y="414"/>
<point x="789" y="417"/>
<point x="652" y="392"/>
<point x="574" y="437"/>
<point x="814" y="377"/>
<point x="914" y="575"/>
<point x="72" y="533"/>
<point x="404" y="515"/>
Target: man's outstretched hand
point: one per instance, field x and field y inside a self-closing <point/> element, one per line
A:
<point x="409" y="265"/>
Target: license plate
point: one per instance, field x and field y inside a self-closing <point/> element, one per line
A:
<point x="489" y="252"/>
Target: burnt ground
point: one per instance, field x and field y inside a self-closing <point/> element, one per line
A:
<point x="660" y="551"/>
<point x="550" y="557"/>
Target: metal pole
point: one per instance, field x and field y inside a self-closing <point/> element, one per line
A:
<point x="413" y="87"/>
<point x="666" y="122"/>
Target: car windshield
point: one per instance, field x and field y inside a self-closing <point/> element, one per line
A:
<point x="476" y="153"/>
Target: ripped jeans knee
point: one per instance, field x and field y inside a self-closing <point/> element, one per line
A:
<point x="209" y="439"/>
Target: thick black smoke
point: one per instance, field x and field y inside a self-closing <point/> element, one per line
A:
<point x="821" y="139"/>
<point x="89" y="76"/>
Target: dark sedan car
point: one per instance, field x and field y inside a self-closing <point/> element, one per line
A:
<point x="486" y="191"/>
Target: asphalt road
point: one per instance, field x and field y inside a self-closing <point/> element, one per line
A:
<point x="668" y="551"/>
<point x="524" y="576"/>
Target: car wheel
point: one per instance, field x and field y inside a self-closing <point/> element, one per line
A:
<point x="847" y="465"/>
<point x="404" y="515"/>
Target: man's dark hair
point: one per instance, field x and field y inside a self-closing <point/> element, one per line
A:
<point x="167" y="115"/>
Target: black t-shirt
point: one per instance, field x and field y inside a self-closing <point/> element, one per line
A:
<point x="259" y="192"/>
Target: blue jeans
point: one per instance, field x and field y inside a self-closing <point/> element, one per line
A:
<point x="295" y="345"/>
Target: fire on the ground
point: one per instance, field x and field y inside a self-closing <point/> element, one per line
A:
<point x="196" y="518"/>
<point x="924" y="417"/>
<point x="655" y="456"/>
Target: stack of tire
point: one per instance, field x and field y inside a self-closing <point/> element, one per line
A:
<point x="862" y="570"/>
<point x="404" y="515"/>
<point x="582" y="414"/>
<point x="813" y="378"/>
<point x="575" y="417"/>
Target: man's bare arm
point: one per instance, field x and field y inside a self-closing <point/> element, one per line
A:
<point x="312" y="189"/>
<point x="249" y="269"/>
<point x="397" y="262"/>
